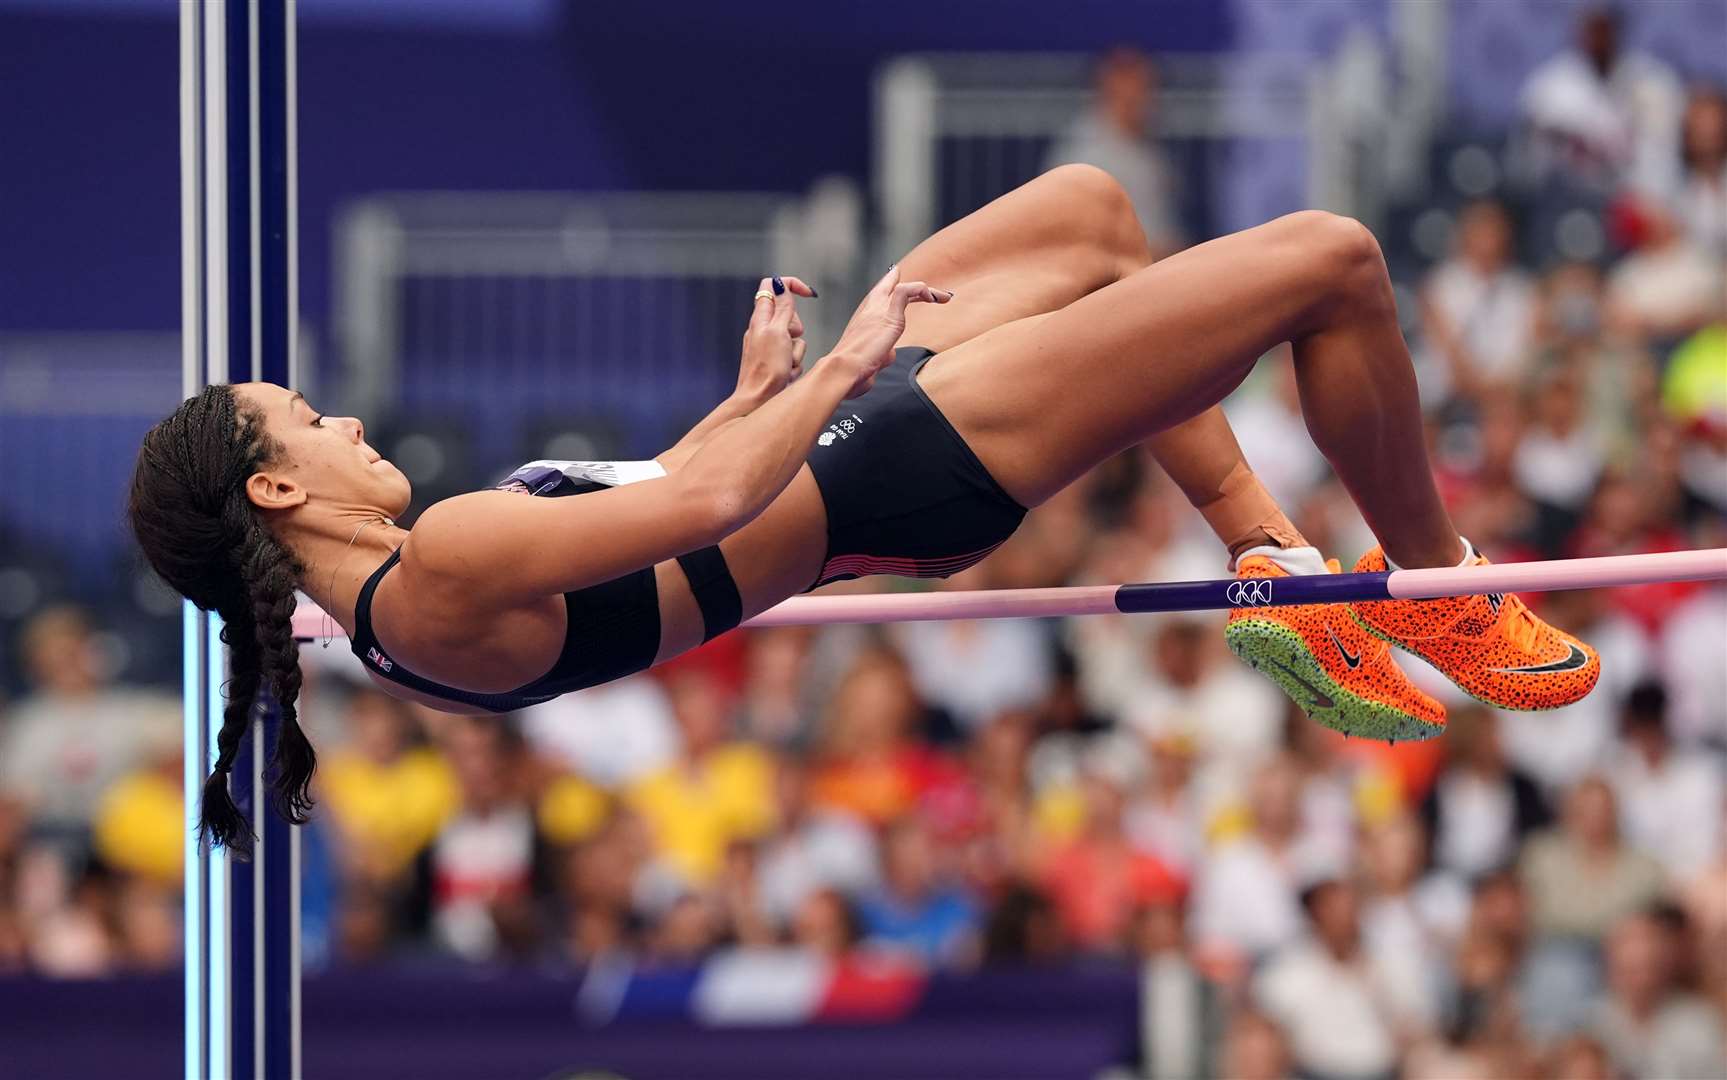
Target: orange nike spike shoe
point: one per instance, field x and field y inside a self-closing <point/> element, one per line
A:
<point x="1493" y="647"/>
<point x="1340" y="675"/>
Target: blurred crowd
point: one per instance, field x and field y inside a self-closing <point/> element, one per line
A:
<point x="1532" y="895"/>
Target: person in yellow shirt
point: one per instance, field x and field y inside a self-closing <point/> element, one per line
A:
<point x="387" y="796"/>
<point x="713" y="793"/>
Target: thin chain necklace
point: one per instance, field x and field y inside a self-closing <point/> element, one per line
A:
<point x="330" y="623"/>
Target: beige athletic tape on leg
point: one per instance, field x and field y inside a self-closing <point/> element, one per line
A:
<point x="1244" y="514"/>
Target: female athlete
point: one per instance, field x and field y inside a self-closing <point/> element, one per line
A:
<point x="1000" y="360"/>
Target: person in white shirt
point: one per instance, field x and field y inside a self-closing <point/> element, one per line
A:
<point x="1328" y="994"/>
<point x="1478" y="311"/>
<point x="1701" y="196"/>
<point x="1658" y="787"/>
<point x="1598" y="117"/>
<point x="1669" y="286"/>
<point x="1115" y="134"/>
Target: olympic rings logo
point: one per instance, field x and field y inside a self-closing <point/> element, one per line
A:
<point x="1253" y="592"/>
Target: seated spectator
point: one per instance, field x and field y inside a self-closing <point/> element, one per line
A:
<point x="475" y="889"/>
<point x="597" y="879"/>
<point x="974" y="670"/>
<point x="1180" y="1010"/>
<point x="1598" y="116"/>
<point x="1657" y="785"/>
<point x="1098" y="879"/>
<point x="1694" y="395"/>
<point x="1699" y="198"/>
<point x="1582" y="877"/>
<point x="1164" y="819"/>
<point x="1649" y="1027"/>
<point x="715" y="791"/>
<point x="1245" y="900"/>
<point x="1117" y="135"/>
<point x="870" y="762"/>
<point x="825" y="925"/>
<point x="1328" y="995"/>
<point x="1616" y="375"/>
<point x="1668" y="287"/>
<point x="140" y="824"/>
<point x="612" y="734"/>
<point x="1560" y="456"/>
<point x="1190" y="680"/>
<point x="1023" y="928"/>
<point x="1580" y="1058"/>
<point x="75" y="733"/>
<point x="1477" y="312"/>
<point x="1254" y="1048"/>
<point x="1409" y="922"/>
<point x="387" y="796"/>
<point x="918" y="909"/>
<point x="1481" y="808"/>
<point x="815" y="848"/>
<point x="778" y="707"/>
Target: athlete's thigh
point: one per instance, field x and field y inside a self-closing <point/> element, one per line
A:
<point x="1038" y="248"/>
<point x="1044" y="399"/>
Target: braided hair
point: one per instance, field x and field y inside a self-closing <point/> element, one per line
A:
<point x="201" y="533"/>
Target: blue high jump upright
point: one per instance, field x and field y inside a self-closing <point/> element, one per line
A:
<point x="239" y="304"/>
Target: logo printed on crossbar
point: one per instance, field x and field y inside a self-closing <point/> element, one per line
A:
<point x="1253" y="592"/>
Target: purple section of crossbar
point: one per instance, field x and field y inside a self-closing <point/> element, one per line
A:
<point x="1708" y="565"/>
<point x="1251" y="592"/>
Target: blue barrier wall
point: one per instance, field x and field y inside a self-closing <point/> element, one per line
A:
<point x="439" y="1025"/>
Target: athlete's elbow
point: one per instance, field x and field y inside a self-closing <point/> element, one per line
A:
<point x="718" y="509"/>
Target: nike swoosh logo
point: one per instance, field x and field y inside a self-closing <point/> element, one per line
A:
<point x="1321" y="700"/>
<point x="1572" y="662"/>
<point x="1353" y="661"/>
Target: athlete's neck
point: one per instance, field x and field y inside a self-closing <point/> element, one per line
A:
<point x="340" y="553"/>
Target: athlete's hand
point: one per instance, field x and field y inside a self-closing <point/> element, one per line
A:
<point x="867" y="345"/>
<point x="774" y="343"/>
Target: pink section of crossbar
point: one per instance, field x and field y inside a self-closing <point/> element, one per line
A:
<point x="941" y="606"/>
<point x="1706" y="565"/>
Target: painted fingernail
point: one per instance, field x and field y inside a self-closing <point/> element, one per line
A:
<point x="813" y="294"/>
<point x="779" y="286"/>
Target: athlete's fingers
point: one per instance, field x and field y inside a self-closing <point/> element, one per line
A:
<point x="799" y="286"/>
<point x="796" y="329"/>
<point x="799" y="348"/>
<point x="884" y="288"/>
<point x="785" y="310"/>
<point x="912" y="292"/>
<point x="763" y="308"/>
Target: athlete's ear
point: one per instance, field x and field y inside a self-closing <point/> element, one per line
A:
<point x="273" y="491"/>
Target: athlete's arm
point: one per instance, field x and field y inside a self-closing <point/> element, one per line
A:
<point x="771" y="360"/>
<point x="497" y="548"/>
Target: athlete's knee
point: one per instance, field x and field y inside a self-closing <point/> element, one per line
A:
<point x="1344" y="254"/>
<point x="1103" y="215"/>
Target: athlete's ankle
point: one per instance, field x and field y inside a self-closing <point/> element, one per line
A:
<point x="1457" y="551"/>
<point x="1262" y="538"/>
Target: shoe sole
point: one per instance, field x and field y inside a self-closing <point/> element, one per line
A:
<point x="1395" y="643"/>
<point x="1280" y="654"/>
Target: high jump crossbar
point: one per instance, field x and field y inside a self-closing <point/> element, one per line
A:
<point x="1218" y="593"/>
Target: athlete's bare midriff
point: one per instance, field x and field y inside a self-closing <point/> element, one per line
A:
<point x="773" y="557"/>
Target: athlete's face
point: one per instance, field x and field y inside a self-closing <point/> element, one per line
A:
<point x="323" y="459"/>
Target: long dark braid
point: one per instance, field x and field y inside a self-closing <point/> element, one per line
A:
<point x="196" y="526"/>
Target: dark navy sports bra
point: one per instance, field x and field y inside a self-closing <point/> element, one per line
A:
<point x="613" y="627"/>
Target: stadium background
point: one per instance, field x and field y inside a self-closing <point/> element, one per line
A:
<point x="1095" y="848"/>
